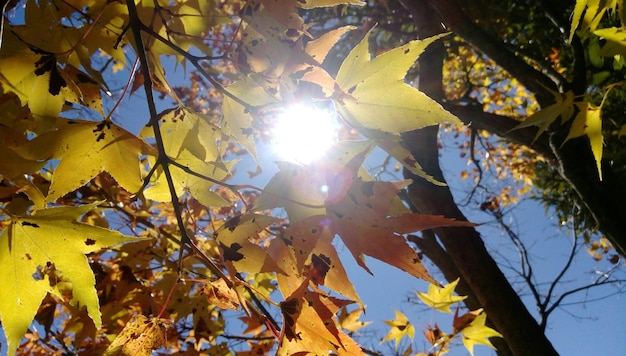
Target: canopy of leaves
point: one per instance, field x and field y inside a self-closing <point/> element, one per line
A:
<point x="78" y="173"/>
<point x="103" y="146"/>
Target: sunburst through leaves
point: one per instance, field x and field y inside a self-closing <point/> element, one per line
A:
<point x="303" y="133"/>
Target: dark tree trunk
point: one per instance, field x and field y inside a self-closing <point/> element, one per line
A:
<point x="464" y="246"/>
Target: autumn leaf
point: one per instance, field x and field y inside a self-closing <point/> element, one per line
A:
<point x="237" y="117"/>
<point x="313" y="237"/>
<point x="13" y="165"/>
<point x="140" y="336"/>
<point x="183" y="129"/>
<point x="360" y="212"/>
<point x="350" y="320"/>
<point x="563" y="107"/>
<point x="310" y="326"/>
<point x="588" y="122"/>
<point x="235" y="243"/>
<point x="372" y="89"/>
<point x="295" y="188"/>
<point x="478" y="333"/>
<point x="85" y="149"/>
<point x="198" y="184"/>
<point x="301" y="190"/>
<point x="37" y="251"/>
<point x="220" y="294"/>
<point x="441" y="298"/>
<point x="400" y="327"/>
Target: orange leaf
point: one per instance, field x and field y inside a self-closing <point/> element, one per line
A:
<point x="360" y="215"/>
<point x="313" y="236"/>
<point x="310" y="327"/>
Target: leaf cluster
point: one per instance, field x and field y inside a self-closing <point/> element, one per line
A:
<point x="83" y="181"/>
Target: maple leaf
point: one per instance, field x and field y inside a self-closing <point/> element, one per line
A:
<point x="478" y="333"/>
<point x="400" y="327"/>
<point x="372" y="89"/>
<point x="185" y="182"/>
<point x="220" y="294"/>
<point x="313" y="237"/>
<point x="310" y="326"/>
<point x="350" y="320"/>
<point x="588" y="122"/>
<point x="85" y="149"/>
<point x="441" y="298"/>
<point x="563" y="107"/>
<point x="139" y="337"/>
<point x="12" y="164"/>
<point x="36" y="252"/>
<point x="301" y="190"/>
<point x="297" y="189"/>
<point x="361" y="213"/>
<point x="237" y="117"/>
<point x="234" y="240"/>
<point x="183" y="129"/>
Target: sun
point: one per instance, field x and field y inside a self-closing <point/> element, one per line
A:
<point x="303" y="133"/>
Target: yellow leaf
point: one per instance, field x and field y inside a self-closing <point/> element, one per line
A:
<point x="85" y="149"/>
<point x="310" y="327"/>
<point x="350" y="321"/>
<point x="12" y="164"/>
<point x="622" y="131"/>
<point x="185" y="182"/>
<point x="237" y="118"/>
<point x="312" y="236"/>
<point x="563" y="107"/>
<point x="441" y="298"/>
<point x="297" y="189"/>
<point x="183" y="129"/>
<point x="139" y="337"/>
<point x="588" y="122"/>
<point x="615" y="41"/>
<point x="319" y="47"/>
<point x="400" y="327"/>
<point x="234" y="239"/>
<point x="374" y="95"/>
<point x="39" y="250"/>
<point x="477" y="333"/>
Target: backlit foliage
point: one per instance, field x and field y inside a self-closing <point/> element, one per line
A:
<point x="83" y="179"/>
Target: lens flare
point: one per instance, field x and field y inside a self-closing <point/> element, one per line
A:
<point x="303" y="133"/>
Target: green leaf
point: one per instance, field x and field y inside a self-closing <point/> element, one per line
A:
<point x="39" y="251"/>
<point x="85" y="149"/>
<point x="374" y="95"/>
<point x="441" y="298"/>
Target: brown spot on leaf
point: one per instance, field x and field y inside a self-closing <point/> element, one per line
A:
<point x="26" y="223"/>
<point x="230" y="253"/>
<point x="90" y="242"/>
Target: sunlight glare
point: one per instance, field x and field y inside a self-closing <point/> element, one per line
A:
<point x="302" y="133"/>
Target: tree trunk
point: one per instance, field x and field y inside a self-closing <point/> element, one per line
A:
<point x="464" y="245"/>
